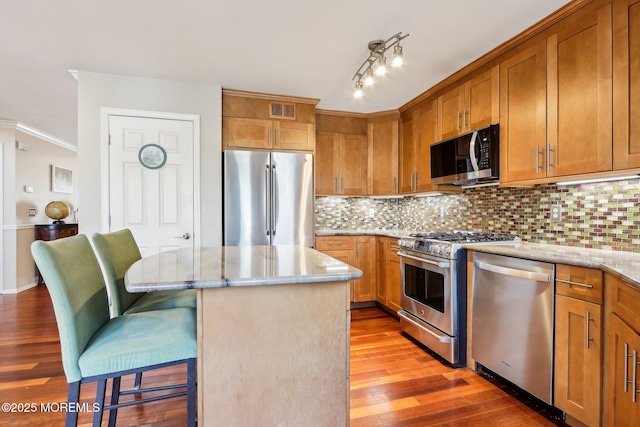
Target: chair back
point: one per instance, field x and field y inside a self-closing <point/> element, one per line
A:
<point x="116" y="252"/>
<point x="72" y="274"/>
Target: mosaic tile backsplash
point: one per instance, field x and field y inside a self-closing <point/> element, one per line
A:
<point x="600" y="215"/>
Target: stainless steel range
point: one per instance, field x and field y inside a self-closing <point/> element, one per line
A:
<point x="434" y="289"/>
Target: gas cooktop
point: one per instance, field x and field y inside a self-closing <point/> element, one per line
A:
<point x="464" y="237"/>
<point x="447" y="245"/>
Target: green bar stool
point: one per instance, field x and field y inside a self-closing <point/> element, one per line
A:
<point x="116" y="252"/>
<point x="96" y="347"/>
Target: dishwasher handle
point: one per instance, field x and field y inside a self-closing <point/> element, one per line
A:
<point x="531" y="275"/>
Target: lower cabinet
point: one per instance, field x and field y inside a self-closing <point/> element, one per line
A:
<point x="578" y="343"/>
<point x="389" y="279"/>
<point x="358" y="251"/>
<point x="622" y="391"/>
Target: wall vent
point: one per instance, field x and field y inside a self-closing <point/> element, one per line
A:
<point x="282" y="110"/>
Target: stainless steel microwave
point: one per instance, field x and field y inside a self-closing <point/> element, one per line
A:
<point x="472" y="158"/>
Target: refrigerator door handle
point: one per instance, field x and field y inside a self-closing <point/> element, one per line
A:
<point x="266" y="207"/>
<point x="274" y="201"/>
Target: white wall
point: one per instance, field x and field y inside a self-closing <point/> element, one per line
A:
<point x="96" y="91"/>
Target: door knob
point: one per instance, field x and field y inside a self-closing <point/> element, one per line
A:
<point x="185" y="236"/>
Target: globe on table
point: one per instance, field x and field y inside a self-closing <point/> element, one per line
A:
<point x="57" y="211"/>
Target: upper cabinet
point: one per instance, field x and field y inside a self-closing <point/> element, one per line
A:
<point x="523" y="115"/>
<point x="556" y="104"/>
<point x="626" y="84"/>
<point x="469" y="106"/>
<point x="268" y="134"/>
<point x="341" y="164"/>
<point x="383" y="157"/>
<point x="265" y="122"/>
<point x="419" y="131"/>
<point x="579" y="97"/>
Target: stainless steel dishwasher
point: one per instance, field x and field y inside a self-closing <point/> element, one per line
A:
<point x="512" y="320"/>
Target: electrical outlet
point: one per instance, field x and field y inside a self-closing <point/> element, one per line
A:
<point x="371" y="212"/>
<point x="556" y="213"/>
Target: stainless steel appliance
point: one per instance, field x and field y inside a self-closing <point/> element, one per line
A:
<point x="434" y="291"/>
<point x="268" y="198"/>
<point x="512" y="320"/>
<point x="469" y="159"/>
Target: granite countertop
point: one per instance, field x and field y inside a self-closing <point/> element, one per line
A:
<point x="357" y="232"/>
<point x="233" y="266"/>
<point x="624" y="265"/>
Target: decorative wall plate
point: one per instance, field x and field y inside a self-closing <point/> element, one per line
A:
<point x="152" y="156"/>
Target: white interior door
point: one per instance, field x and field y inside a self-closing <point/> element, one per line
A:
<point x="151" y="172"/>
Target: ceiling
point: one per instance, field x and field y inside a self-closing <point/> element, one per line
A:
<point x="286" y="47"/>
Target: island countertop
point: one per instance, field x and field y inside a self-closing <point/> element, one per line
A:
<point x="233" y="266"/>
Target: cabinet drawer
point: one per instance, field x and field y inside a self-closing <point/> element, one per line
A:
<point x="579" y="282"/>
<point x="334" y="242"/>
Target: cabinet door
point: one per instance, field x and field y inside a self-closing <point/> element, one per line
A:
<point x="383" y="158"/>
<point x="623" y="341"/>
<point x="626" y="84"/>
<point x="578" y="359"/>
<point x="426" y="134"/>
<point x="523" y="115"/>
<point x="381" y="273"/>
<point x="346" y="256"/>
<point x="326" y="163"/>
<point x="451" y="113"/>
<point x="248" y="133"/>
<point x="481" y="100"/>
<point x="293" y="136"/>
<point x="353" y="165"/>
<point x="408" y="156"/>
<point x="364" y="289"/>
<point x="579" y="96"/>
<point x="394" y="278"/>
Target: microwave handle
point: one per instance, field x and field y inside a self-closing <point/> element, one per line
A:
<point x="472" y="151"/>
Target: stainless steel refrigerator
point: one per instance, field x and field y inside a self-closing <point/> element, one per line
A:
<point x="268" y="198"/>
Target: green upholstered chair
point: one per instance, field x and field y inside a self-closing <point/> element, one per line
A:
<point x="117" y="251"/>
<point x="96" y="347"/>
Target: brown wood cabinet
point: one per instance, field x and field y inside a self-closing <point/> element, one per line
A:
<point x="364" y="289"/>
<point x="626" y="84"/>
<point x="389" y="279"/>
<point x="622" y="400"/>
<point x="358" y="251"/>
<point x="523" y="95"/>
<point x="48" y="232"/>
<point x="419" y="131"/>
<point x="579" y="97"/>
<point x="268" y="134"/>
<point x="341" y="164"/>
<point x="383" y="157"/>
<point x="578" y="343"/>
<point x="469" y="106"/>
<point x="381" y="272"/>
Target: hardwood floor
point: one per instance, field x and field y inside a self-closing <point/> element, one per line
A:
<point x="394" y="382"/>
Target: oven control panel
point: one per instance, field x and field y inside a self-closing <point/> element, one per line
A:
<point x="442" y="250"/>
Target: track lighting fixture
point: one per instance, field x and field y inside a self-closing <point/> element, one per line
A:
<point x="376" y="63"/>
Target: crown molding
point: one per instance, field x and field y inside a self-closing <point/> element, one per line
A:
<point x="21" y="127"/>
<point x="268" y="96"/>
<point x="341" y="113"/>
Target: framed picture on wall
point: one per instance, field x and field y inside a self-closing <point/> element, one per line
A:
<point x="61" y="179"/>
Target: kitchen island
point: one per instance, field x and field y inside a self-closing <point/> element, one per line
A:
<point x="273" y="331"/>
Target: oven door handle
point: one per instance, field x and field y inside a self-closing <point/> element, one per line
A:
<point x="426" y="261"/>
